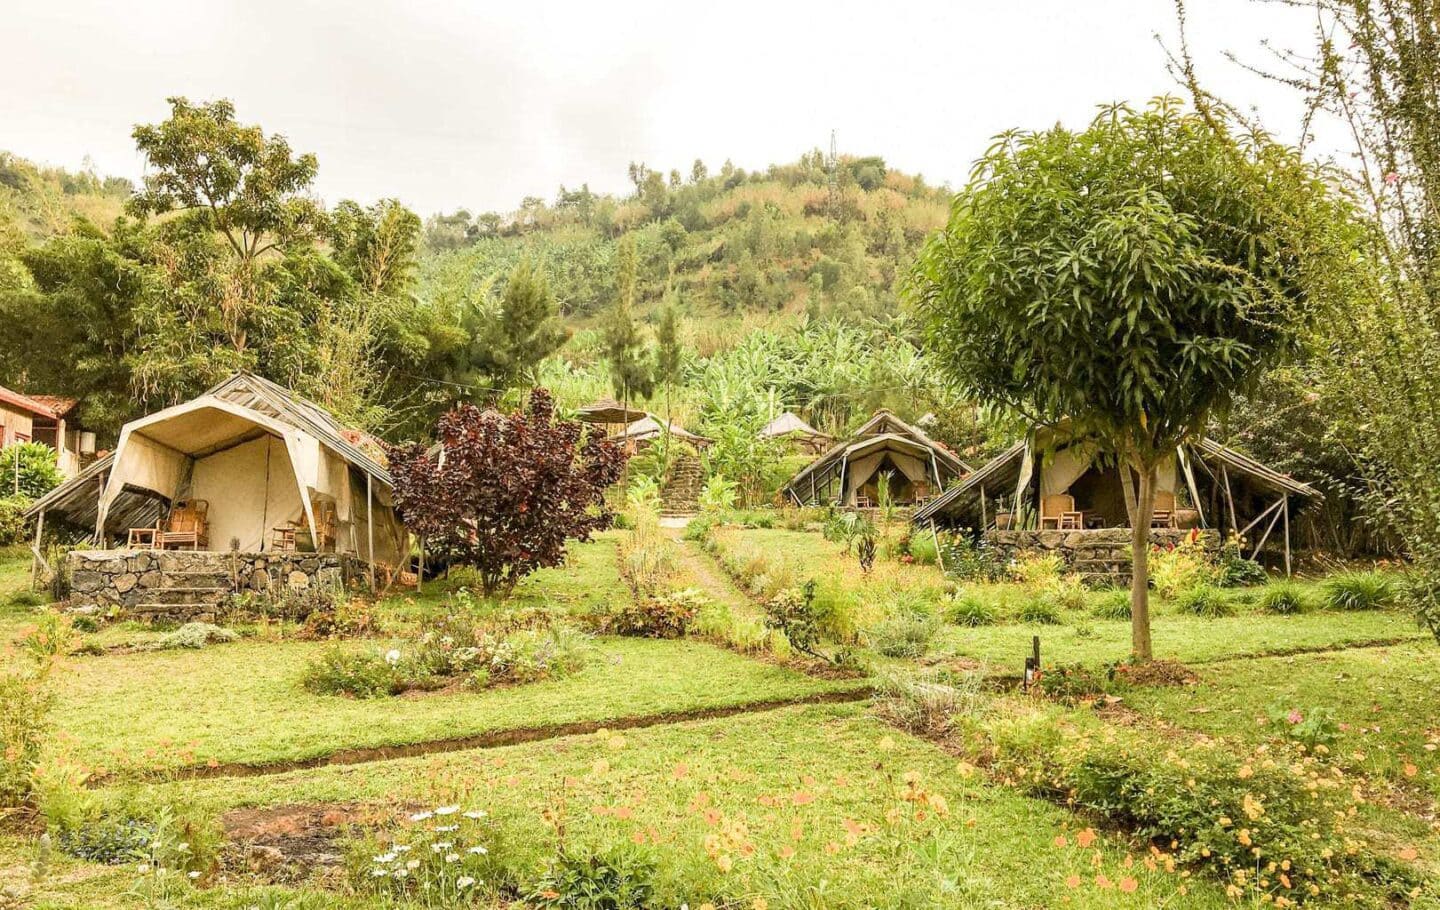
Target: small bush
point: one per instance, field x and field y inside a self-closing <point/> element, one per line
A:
<point x="1068" y="592"/>
<point x="924" y="703"/>
<point x="922" y="549"/>
<point x="666" y="616"/>
<point x="441" y="858"/>
<point x="1041" y="609"/>
<point x="968" y="610"/>
<point x="1179" y="567"/>
<point x="1113" y="604"/>
<point x="39" y="473"/>
<point x="1359" y="591"/>
<point x="27" y="598"/>
<point x="50" y="638"/>
<point x="719" y="495"/>
<point x="111" y="842"/>
<point x="969" y="559"/>
<point x="25" y="705"/>
<point x="192" y="635"/>
<point x="903" y="635"/>
<point x="1237" y="571"/>
<point x="1071" y="683"/>
<point x="356" y="673"/>
<point x="621" y="878"/>
<point x="12" y="519"/>
<point x="350" y="617"/>
<point x="1314" y="728"/>
<point x="1037" y="571"/>
<point x="1204" y="600"/>
<point x="1283" y="599"/>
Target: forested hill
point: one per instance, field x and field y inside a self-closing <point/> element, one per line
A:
<point x="817" y="236"/>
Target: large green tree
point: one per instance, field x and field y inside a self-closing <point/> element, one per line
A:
<point x="509" y="341"/>
<point x="1131" y="278"/>
<point x="630" y="368"/>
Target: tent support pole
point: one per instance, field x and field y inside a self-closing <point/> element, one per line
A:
<point x="1259" y="518"/>
<point x="1286" y="512"/>
<point x="100" y="514"/>
<point x="939" y="552"/>
<point x="1229" y="499"/>
<point x="984" y="512"/>
<point x="1268" y="528"/>
<point x="370" y="526"/>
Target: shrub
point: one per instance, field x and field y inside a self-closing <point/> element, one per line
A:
<point x="39" y="473"/>
<point x="1217" y="807"/>
<point x="1071" y="683"/>
<point x="50" y="637"/>
<point x="666" y="616"/>
<point x="1037" y="571"/>
<point x="1283" y="599"/>
<point x="356" y="673"/>
<point x="442" y="857"/>
<point x="621" y="878"/>
<point x="922" y="549"/>
<point x="648" y="559"/>
<point x="971" y="559"/>
<point x="25" y="705"/>
<point x="1359" y="591"/>
<point x="1113" y="604"/>
<point x="348" y="617"/>
<point x="719" y="495"/>
<point x="1180" y="566"/>
<point x="968" y="610"/>
<point x="12" y="518"/>
<point x="904" y="635"/>
<point x="1068" y="592"/>
<point x="793" y="614"/>
<point x="27" y="598"/>
<point x="924" y="703"/>
<point x="1204" y="600"/>
<point x="1311" y="729"/>
<point x="1040" y="608"/>
<point x="192" y="635"/>
<point x="1234" y="569"/>
<point x="109" y="841"/>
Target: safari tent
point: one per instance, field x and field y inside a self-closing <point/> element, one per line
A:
<point x="1054" y="480"/>
<point x="849" y="473"/>
<point x="801" y="437"/>
<point x="649" y="428"/>
<point x="255" y="468"/>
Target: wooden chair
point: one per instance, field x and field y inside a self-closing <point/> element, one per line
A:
<point x="144" y="538"/>
<point x="1072" y="521"/>
<point x="282" y="539"/>
<point x="1053" y="509"/>
<point x="188" y="528"/>
<point x="325" y="521"/>
<point x="1164" y="514"/>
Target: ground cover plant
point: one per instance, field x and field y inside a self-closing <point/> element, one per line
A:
<point x="721" y="813"/>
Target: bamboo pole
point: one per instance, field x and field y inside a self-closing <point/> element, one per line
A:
<point x="35" y="563"/>
<point x="1270" y="527"/>
<point x="1286" y="510"/>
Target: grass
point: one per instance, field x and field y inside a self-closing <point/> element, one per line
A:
<point x="1382" y="699"/>
<point x="243" y="702"/>
<point x="1187" y="638"/>
<point x="818" y="781"/>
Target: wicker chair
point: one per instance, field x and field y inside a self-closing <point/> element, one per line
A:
<point x="1058" y="511"/>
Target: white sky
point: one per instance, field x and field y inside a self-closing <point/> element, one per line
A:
<point x="449" y="103"/>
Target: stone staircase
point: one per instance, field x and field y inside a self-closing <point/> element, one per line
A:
<point x="681" y="493"/>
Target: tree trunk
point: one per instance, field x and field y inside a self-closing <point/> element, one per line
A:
<point x="1140" y="645"/>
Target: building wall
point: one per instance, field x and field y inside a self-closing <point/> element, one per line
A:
<point x="15" y="426"/>
<point x="1101" y="556"/>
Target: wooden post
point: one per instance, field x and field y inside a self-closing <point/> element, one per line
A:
<point x="100" y="514"/>
<point x="1287" y="535"/>
<point x="1229" y="499"/>
<point x="370" y="526"/>
<point x="984" y="516"/>
<point x="939" y="553"/>
<point x="420" y="569"/>
<point x="35" y="563"/>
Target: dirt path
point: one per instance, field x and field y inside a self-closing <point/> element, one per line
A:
<point x="707" y="575"/>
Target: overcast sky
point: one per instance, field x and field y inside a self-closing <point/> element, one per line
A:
<point x="449" y="103"/>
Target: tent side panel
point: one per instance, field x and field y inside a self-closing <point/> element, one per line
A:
<point x="250" y="489"/>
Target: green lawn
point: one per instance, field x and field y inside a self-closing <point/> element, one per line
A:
<point x="804" y="806"/>
<point x="1185" y="638"/>
<point x="1383" y="701"/>
<point x="243" y="702"/>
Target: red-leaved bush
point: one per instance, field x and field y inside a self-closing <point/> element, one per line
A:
<point x="503" y="492"/>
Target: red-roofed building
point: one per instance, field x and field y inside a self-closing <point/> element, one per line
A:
<point x="46" y="419"/>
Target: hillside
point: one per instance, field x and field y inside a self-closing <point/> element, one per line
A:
<point x="811" y="236"/>
<point x="43" y="201"/>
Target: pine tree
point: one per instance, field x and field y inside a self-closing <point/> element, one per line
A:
<point x="667" y="359"/>
<point x="630" y="369"/>
<point x="509" y="344"/>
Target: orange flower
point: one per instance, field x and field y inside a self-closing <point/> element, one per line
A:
<point x="1102" y="881"/>
<point x="682" y="770"/>
<point x="1072" y="881"/>
<point x="1085" y="838"/>
<point x="1060" y="841"/>
<point x="1128" y="885"/>
<point x="787" y="851"/>
<point x="802" y="798"/>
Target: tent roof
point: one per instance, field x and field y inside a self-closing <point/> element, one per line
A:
<point x="1005" y="469"/>
<point x="882" y="424"/>
<point x="196" y="429"/>
<point x="607" y="410"/>
<point x="788" y="423"/>
<point x="649" y="426"/>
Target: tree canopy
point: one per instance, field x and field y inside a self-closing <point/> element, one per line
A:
<point x="1131" y="278"/>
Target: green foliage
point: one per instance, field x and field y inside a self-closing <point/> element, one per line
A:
<point x="12" y="519"/>
<point x="1284" y="599"/>
<point x="1311" y="729"/>
<point x="34" y="462"/>
<point x="1235" y="570"/>
<point x="1359" y="591"/>
<point x="968" y="610"/>
<point x="620" y="878"/>
<point x="1072" y="683"/>
<point x="509" y="341"/>
<point x="631" y="373"/>
<point x="1041" y="608"/>
<point x="794" y="613"/>
<point x="193" y="635"/>
<point x="1204" y="599"/>
<point x="1179" y="567"/>
<point x="662" y="616"/>
<point x="25" y="705"/>
<point x="970" y="558"/>
<point x="443" y="857"/>
<point x="903" y="634"/>
<point x="1114" y="604"/>
<point x="719" y="495"/>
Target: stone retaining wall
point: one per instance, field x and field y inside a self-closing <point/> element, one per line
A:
<point x="184" y="586"/>
<point x="1101" y="555"/>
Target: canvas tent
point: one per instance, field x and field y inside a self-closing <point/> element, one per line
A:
<point x="848" y="473"/>
<point x="259" y="456"/>
<point x="790" y="427"/>
<point x="650" y="428"/>
<point x="1211" y="485"/>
